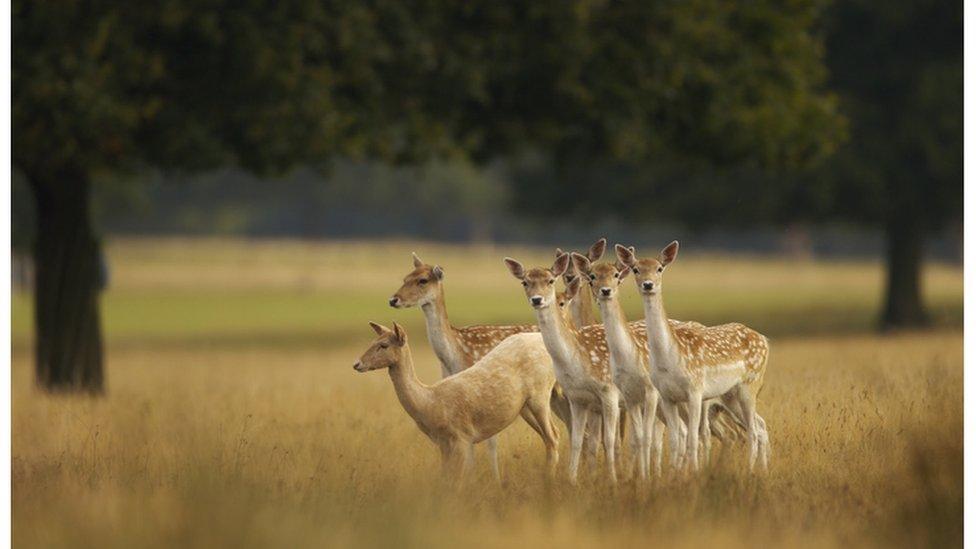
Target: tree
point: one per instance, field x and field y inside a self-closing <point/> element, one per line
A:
<point x="898" y="66"/>
<point x="103" y="87"/>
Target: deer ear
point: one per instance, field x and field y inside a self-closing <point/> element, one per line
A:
<point x="597" y="249"/>
<point x="669" y="253"/>
<point x="625" y="255"/>
<point x="438" y="272"/>
<point x="380" y="330"/>
<point x="400" y="334"/>
<point x="416" y="260"/>
<point x="515" y="268"/>
<point x="581" y="263"/>
<point x="560" y="265"/>
<point x="559" y="252"/>
<point x="573" y="288"/>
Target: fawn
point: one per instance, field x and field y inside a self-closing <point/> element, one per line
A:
<point x="691" y="362"/>
<point x="516" y="378"/>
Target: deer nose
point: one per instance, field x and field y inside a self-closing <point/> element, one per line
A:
<point x="647" y="285"/>
<point x="357" y="366"/>
<point x="394" y="301"/>
<point x="605" y="291"/>
<point x="536" y="300"/>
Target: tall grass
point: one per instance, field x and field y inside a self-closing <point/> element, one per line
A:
<point x="234" y="418"/>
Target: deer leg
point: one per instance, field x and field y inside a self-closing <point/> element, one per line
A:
<point x="637" y="440"/>
<point x="492" y="445"/>
<point x="748" y="406"/>
<point x="673" y="420"/>
<point x="611" y="415"/>
<point x="540" y="411"/>
<point x="594" y="433"/>
<point x="763" y="443"/>
<point x="706" y="434"/>
<point x="694" y="424"/>
<point x="579" y="417"/>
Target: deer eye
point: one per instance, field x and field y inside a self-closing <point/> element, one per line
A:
<point x="592" y="276"/>
<point x="636" y="270"/>
<point x="561" y="303"/>
<point x="422" y="281"/>
<point x="660" y="269"/>
<point x="551" y="281"/>
<point x="616" y="275"/>
<point x="383" y="346"/>
<point x="526" y="284"/>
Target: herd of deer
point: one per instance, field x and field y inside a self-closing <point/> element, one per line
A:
<point x="695" y="380"/>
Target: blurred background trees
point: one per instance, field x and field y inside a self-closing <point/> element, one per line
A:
<point x="309" y="118"/>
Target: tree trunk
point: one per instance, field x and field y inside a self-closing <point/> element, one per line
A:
<point x="67" y="266"/>
<point x="903" y="291"/>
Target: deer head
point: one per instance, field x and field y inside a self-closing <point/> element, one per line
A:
<point x="565" y="297"/>
<point x="539" y="283"/>
<point x="593" y="254"/>
<point x="386" y="350"/>
<point x="647" y="271"/>
<point x="603" y="278"/>
<point x="420" y="286"/>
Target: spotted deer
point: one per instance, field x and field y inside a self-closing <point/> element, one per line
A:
<point x="582" y="305"/>
<point x="691" y="362"/>
<point x="580" y="359"/>
<point x="630" y="364"/>
<point x="515" y="378"/>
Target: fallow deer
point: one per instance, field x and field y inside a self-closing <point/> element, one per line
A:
<point x="457" y="349"/>
<point x="516" y="378"/>
<point x="691" y="362"/>
<point x="580" y="359"/>
<point x="630" y="364"/>
<point x="582" y="305"/>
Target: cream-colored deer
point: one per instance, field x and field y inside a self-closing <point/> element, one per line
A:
<point x="691" y="362"/>
<point x="516" y="378"/>
<point x="579" y="357"/>
<point x="457" y="349"/>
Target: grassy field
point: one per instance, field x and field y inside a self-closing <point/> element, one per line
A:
<point x="233" y="416"/>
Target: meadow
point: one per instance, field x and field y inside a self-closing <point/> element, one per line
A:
<point x="233" y="416"/>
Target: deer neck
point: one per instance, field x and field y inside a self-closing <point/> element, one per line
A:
<point x="559" y="336"/>
<point x="582" y="309"/>
<point x="620" y="339"/>
<point x="442" y="336"/>
<point x="660" y="338"/>
<point x="414" y="396"/>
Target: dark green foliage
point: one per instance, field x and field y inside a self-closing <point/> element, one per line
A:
<point x="107" y="87"/>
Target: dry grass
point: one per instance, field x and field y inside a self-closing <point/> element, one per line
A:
<point x="236" y="437"/>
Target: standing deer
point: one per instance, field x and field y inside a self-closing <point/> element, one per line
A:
<point x="630" y="364"/>
<point x="582" y="305"/>
<point x="580" y="359"/>
<point x="516" y="378"/>
<point x="691" y="362"/>
<point x="457" y="349"/>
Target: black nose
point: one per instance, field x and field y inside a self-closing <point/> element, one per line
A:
<point x="355" y="366"/>
<point x="648" y="285"/>
<point x="393" y="301"/>
<point x="536" y="301"/>
<point x="605" y="291"/>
